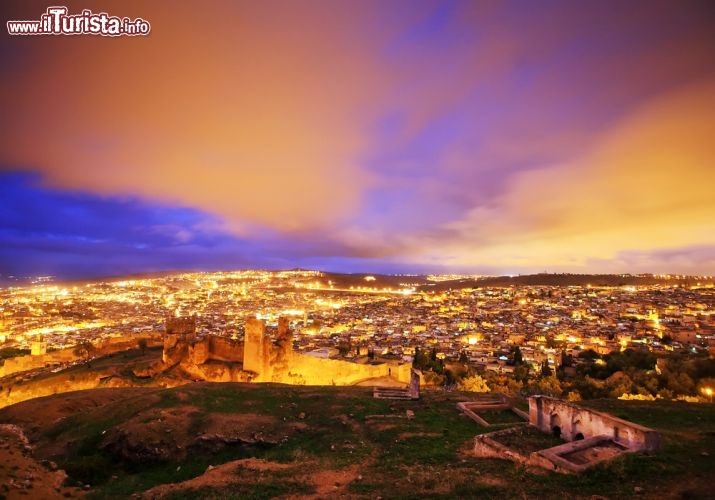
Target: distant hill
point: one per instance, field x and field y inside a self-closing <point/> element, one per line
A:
<point x="547" y="279"/>
<point x="422" y="282"/>
<point x="373" y="280"/>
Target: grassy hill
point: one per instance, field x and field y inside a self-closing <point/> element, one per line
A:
<point x="262" y="441"/>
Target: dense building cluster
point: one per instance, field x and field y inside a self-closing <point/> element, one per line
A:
<point x="371" y="319"/>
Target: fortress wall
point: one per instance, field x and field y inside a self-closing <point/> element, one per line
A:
<point x="313" y="371"/>
<point x="198" y="352"/>
<point x="222" y="349"/>
<point x="184" y="326"/>
<point x="128" y="341"/>
<point x="30" y="362"/>
<point x="54" y="385"/>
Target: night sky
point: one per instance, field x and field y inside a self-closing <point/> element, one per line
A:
<point x="387" y="136"/>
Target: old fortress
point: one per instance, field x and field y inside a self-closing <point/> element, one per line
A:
<point x="262" y="358"/>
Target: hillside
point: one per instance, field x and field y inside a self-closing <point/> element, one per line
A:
<point x="562" y="280"/>
<point x="263" y="440"/>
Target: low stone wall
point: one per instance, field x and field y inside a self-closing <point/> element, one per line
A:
<point x="30" y="362"/>
<point x="308" y="370"/>
<point x="592" y="450"/>
<point x="486" y="447"/>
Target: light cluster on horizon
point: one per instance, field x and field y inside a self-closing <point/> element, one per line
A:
<point x="400" y="137"/>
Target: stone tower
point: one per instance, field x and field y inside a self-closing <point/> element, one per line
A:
<point x="256" y="347"/>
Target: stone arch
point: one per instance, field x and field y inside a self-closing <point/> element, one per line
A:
<point x="576" y="430"/>
<point x="555" y="424"/>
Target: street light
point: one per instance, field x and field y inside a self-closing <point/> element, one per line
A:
<point x="709" y="393"/>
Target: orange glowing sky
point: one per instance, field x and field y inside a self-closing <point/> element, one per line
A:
<point x="493" y="137"/>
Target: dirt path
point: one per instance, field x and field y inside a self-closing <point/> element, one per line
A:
<point x="21" y="476"/>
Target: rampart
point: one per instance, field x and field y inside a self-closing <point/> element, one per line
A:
<point x="308" y="370"/>
<point x="276" y="362"/>
<point x="209" y="348"/>
<point x="64" y="356"/>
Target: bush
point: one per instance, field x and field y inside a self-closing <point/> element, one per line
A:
<point x="475" y="383"/>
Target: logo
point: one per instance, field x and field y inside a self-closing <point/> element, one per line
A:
<point x="56" y="21"/>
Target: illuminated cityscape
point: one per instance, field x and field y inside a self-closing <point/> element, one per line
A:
<point x="357" y="249"/>
<point x="364" y="318"/>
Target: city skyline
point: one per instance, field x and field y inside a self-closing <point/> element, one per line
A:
<point x="394" y="137"/>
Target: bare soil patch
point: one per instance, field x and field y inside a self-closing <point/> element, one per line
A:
<point x="21" y="476"/>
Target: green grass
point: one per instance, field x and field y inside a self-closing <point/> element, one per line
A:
<point x="669" y="414"/>
<point x="498" y="417"/>
<point x="527" y="439"/>
<point x="427" y="456"/>
<point x="243" y="491"/>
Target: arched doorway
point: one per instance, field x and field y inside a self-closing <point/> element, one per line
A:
<point x="576" y="431"/>
<point x="555" y="424"/>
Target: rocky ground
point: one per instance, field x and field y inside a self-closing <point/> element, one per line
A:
<point x="22" y="476"/>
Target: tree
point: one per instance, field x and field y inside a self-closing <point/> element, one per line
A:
<point x="566" y="359"/>
<point x="518" y="357"/>
<point x="449" y="378"/>
<point x="475" y="383"/>
<point x="521" y="373"/>
<point x="589" y="354"/>
<point x="546" y="370"/>
<point x="551" y="342"/>
<point x="549" y="386"/>
<point x="84" y="350"/>
<point x="421" y="359"/>
<point x="463" y="358"/>
<point x="344" y="347"/>
<point x="142" y="344"/>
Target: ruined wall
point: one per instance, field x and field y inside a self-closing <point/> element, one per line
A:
<point x="278" y="363"/>
<point x="201" y="351"/>
<point x="30" y="362"/>
<point x="264" y="360"/>
<point x="61" y="356"/>
<point x="182" y="326"/>
<point x="223" y="349"/>
<point x="309" y="370"/>
<point x="128" y="341"/>
<point x="174" y="351"/>
<point x="198" y="352"/>
<point x="573" y="422"/>
<point x="217" y="372"/>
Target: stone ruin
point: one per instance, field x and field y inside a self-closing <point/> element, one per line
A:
<point x="261" y="357"/>
<point x="183" y="327"/>
<point x="412" y="392"/>
<point x="488" y="402"/>
<point x="592" y="437"/>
